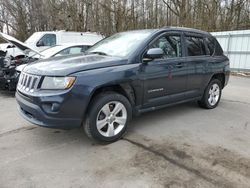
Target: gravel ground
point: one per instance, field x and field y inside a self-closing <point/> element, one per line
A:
<point x="180" y="146"/>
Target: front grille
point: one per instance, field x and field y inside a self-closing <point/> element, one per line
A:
<point x="28" y="82"/>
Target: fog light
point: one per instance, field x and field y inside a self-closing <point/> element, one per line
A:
<point x="51" y="107"/>
<point x="55" y="107"/>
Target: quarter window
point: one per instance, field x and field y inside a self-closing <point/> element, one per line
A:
<point x="170" y="44"/>
<point x="195" y="46"/>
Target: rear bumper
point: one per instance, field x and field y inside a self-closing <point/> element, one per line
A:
<point x="33" y="113"/>
<point x="226" y="78"/>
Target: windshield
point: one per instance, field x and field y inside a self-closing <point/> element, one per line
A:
<point x="121" y="44"/>
<point x="33" y="38"/>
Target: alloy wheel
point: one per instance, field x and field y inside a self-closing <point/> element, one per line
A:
<point x="111" y="119"/>
<point x="214" y="94"/>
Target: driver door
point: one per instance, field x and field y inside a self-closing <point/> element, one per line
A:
<point x="165" y="79"/>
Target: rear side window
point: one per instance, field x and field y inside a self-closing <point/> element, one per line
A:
<point x="195" y="46"/>
<point x="210" y="45"/>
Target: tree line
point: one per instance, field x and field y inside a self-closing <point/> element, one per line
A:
<point x="21" y="18"/>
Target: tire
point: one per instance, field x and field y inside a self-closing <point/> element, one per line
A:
<point x="212" y="95"/>
<point x="108" y="117"/>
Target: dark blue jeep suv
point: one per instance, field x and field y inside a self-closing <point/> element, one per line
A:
<point x="121" y="76"/>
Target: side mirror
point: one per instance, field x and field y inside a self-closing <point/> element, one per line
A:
<point x="154" y="53"/>
<point x="40" y="43"/>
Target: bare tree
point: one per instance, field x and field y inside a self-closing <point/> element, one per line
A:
<point x="23" y="17"/>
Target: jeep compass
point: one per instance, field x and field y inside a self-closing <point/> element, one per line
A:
<point x="121" y="76"/>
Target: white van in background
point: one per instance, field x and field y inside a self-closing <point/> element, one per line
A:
<point x="41" y="40"/>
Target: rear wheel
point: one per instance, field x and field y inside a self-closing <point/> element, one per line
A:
<point x="212" y="95"/>
<point x="108" y="117"/>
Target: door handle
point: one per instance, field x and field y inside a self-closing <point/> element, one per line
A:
<point x="179" y="65"/>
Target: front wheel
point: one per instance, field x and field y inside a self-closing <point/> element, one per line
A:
<point x="212" y="95"/>
<point x="108" y="117"/>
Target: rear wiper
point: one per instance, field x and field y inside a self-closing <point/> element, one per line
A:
<point x="99" y="53"/>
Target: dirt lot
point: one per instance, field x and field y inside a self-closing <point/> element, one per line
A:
<point x="180" y="146"/>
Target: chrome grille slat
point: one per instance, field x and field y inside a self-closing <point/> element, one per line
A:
<point x="32" y="83"/>
<point x="23" y="81"/>
<point x="28" y="82"/>
<point x="37" y="82"/>
<point x="20" y="78"/>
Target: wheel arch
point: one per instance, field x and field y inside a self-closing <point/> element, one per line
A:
<point x="124" y="89"/>
<point x="220" y="76"/>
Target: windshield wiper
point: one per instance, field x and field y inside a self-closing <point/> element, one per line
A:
<point x="99" y="53"/>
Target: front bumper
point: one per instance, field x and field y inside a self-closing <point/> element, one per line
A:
<point x="34" y="111"/>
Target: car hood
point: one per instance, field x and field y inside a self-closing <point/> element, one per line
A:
<point x="22" y="46"/>
<point x="66" y="65"/>
<point x="20" y="67"/>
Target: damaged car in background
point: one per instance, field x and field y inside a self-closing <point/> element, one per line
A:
<point x="8" y="74"/>
<point x="11" y="67"/>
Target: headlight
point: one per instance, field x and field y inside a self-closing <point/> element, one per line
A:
<point x="57" y="82"/>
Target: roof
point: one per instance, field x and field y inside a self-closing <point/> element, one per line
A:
<point x="185" y="29"/>
<point x="70" y="32"/>
<point x="170" y="28"/>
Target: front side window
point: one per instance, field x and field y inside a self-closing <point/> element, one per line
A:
<point x="47" y="40"/>
<point x="170" y="44"/>
<point x="195" y="46"/>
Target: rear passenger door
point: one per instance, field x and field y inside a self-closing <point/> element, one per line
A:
<point x="197" y="60"/>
